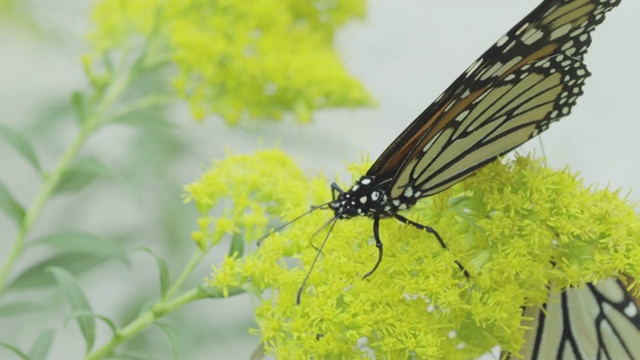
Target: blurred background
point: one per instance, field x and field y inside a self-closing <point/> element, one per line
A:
<point x="406" y="53"/>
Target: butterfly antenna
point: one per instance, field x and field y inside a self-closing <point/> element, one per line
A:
<point x="322" y="227"/>
<point x="313" y="264"/>
<point x="273" y="231"/>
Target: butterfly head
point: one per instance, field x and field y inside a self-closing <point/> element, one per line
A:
<point x="367" y="197"/>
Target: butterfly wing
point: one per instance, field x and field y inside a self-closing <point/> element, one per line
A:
<point x="531" y="77"/>
<point x="599" y="321"/>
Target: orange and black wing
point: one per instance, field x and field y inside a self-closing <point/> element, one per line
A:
<point x="529" y="78"/>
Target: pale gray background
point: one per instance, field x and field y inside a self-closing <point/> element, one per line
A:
<point x="406" y="53"/>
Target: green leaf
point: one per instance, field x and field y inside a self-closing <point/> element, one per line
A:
<point x="217" y="293"/>
<point x="172" y="334"/>
<point x="164" y="271"/>
<point x="80" y="313"/>
<point x="79" y="106"/>
<point x="14" y="350"/>
<point x="147" y="118"/>
<point x="237" y="246"/>
<point x="21" y="144"/>
<point x="35" y="276"/>
<point x="81" y="175"/>
<point x="10" y="205"/>
<point x="83" y="243"/>
<point x="40" y="348"/>
<point x="131" y="355"/>
<point x="77" y="302"/>
<point x="50" y="117"/>
<point x="20" y="308"/>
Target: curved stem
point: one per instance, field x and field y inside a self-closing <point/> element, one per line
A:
<point x="193" y="262"/>
<point x="153" y="100"/>
<point x="157" y="311"/>
<point x="52" y="180"/>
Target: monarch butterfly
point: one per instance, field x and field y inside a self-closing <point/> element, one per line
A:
<point x="529" y="78"/>
<point x="600" y="321"/>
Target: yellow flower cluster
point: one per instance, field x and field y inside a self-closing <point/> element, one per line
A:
<point x="508" y="225"/>
<point x="242" y="59"/>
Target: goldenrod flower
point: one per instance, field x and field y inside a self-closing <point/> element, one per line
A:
<point x="508" y="225"/>
<point x="240" y="59"/>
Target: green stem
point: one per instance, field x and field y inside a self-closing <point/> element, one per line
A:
<point x="51" y="181"/>
<point x="193" y="262"/>
<point x="147" y="102"/>
<point x="157" y="311"/>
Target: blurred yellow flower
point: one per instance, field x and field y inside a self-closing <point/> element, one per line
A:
<point x="253" y="59"/>
<point x="507" y="225"/>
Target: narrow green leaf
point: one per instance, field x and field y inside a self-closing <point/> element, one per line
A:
<point x="83" y="243"/>
<point x="49" y="117"/>
<point x="164" y="271"/>
<point x="40" y="348"/>
<point x="218" y="293"/>
<point x="147" y="306"/>
<point x="131" y="355"/>
<point x="80" y="313"/>
<point x="237" y="246"/>
<point x="79" y="106"/>
<point x="148" y="118"/>
<point x="81" y="175"/>
<point x="35" y="276"/>
<point x="14" y="350"/>
<point x="21" y="144"/>
<point x="20" y="308"/>
<point x="172" y="334"/>
<point x="10" y="205"/>
<point x="77" y="302"/>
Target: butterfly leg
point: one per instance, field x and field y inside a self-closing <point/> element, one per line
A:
<point x="335" y="189"/>
<point x="376" y="234"/>
<point x="431" y="230"/>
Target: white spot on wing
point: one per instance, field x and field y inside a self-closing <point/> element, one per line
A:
<point x="502" y="40"/>
<point x="631" y="310"/>
<point x="473" y="67"/>
<point x="522" y="28"/>
<point x="532" y="35"/>
<point x="562" y="30"/>
<point x="462" y="115"/>
<point x="408" y="192"/>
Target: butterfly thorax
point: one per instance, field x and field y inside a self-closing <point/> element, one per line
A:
<point x="369" y="197"/>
